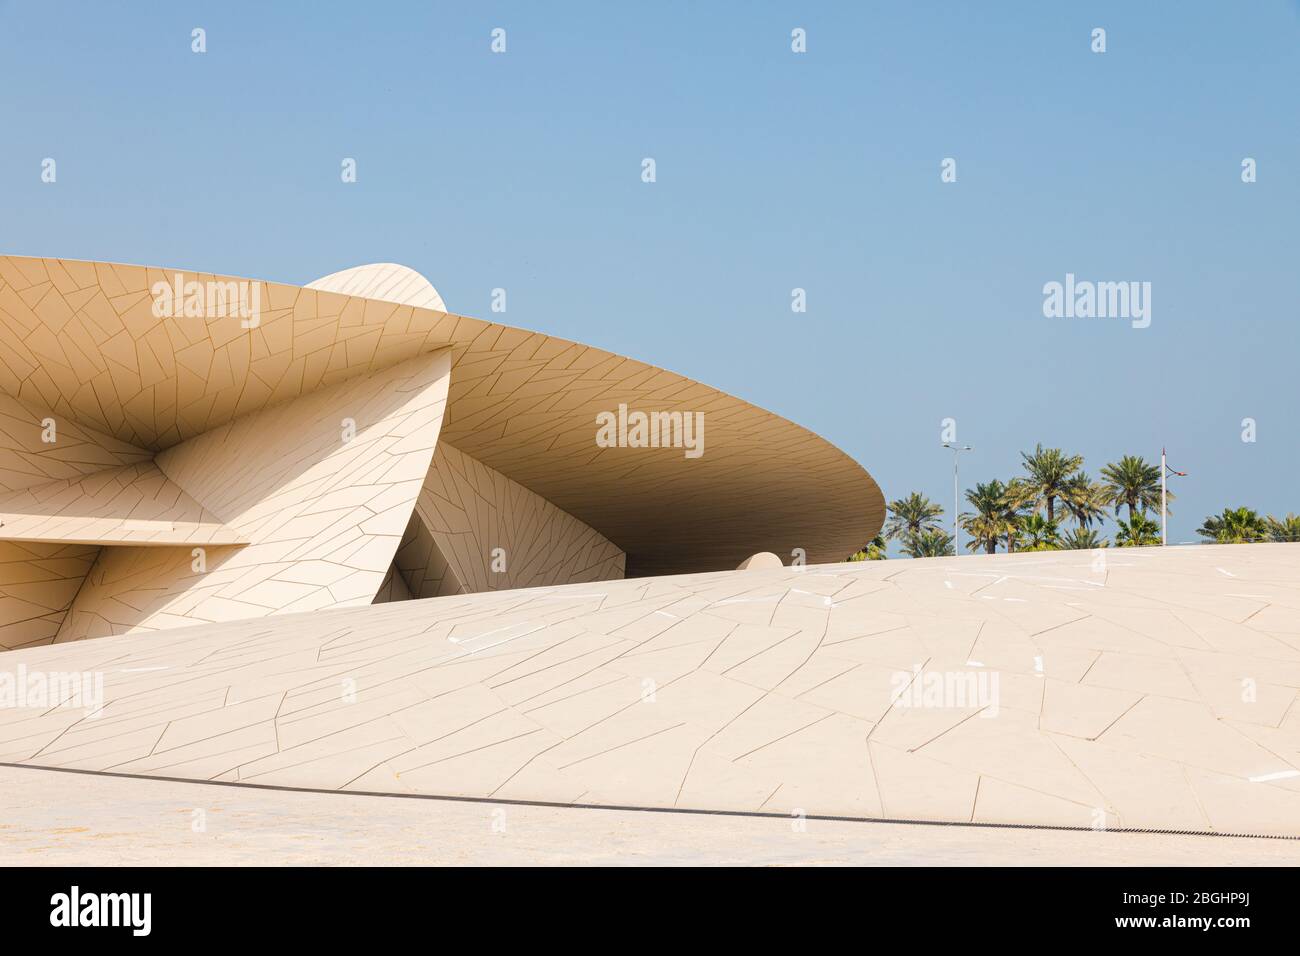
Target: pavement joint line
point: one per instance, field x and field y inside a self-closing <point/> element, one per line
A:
<point x="690" y="811"/>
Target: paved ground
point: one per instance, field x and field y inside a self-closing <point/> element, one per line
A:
<point x="1144" y="688"/>
<point x="53" y="818"/>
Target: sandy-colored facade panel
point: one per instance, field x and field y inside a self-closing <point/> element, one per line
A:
<point x="783" y="691"/>
<point x="149" y="588"/>
<point x="529" y="406"/>
<point x="37" y="448"/>
<point x="526" y="404"/>
<point x="89" y="345"/>
<point x="38" y="582"/>
<point x="321" y="489"/>
<point x="134" y="504"/>
<point x="494" y="534"/>
<point x="393" y="587"/>
<point x="385" y="281"/>
<point x="85" y="340"/>
<point x="421" y="565"/>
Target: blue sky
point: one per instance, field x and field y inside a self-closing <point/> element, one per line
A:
<point x="775" y="170"/>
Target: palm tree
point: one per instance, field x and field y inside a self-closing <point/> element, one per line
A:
<point x="1082" y="539"/>
<point x="1018" y="497"/>
<point x="1284" y="529"/>
<point x="911" y="516"/>
<point x="1084" y="499"/>
<point x="989" y="520"/>
<point x="1040" y="533"/>
<point x="929" y="544"/>
<point x="1138" y="532"/>
<point x="1234" y="526"/>
<point x="1049" y="475"/>
<point x="1132" y="482"/>
<point x="873" y="550"/>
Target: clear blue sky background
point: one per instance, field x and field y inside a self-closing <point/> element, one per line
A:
<point x="775" y="170"/>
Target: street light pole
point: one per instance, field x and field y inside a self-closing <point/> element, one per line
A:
<point x="956" y="492"/>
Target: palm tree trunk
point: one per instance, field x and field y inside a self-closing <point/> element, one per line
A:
<point x="1051" y="501"/>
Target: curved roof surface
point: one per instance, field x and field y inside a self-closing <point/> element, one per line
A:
<point x="81" y="339"/>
